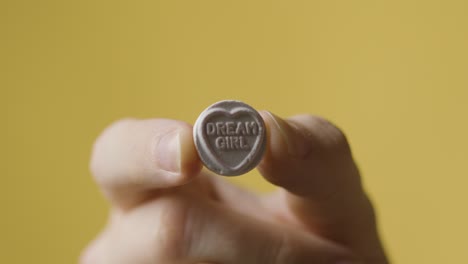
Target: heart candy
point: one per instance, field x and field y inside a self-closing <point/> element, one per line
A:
<point x="230" y="137"/>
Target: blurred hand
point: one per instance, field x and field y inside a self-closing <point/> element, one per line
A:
<point x="166" y="210"/>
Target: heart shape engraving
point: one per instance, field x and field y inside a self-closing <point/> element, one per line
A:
<point x="230" y="137"/>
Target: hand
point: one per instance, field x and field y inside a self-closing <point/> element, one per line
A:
<point x="166" y="210"/>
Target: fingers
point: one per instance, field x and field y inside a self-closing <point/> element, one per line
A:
<point x="182" y="228"/>
<point x="132" y="158"/>
<point x="220" y="235"/>
<point x="311" y="159"/>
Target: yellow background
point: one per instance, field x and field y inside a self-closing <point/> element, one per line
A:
<point x="392" y="74"/>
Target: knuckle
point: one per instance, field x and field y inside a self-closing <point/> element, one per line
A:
<point x="299" y="249"/>
<point x="169" y="240"/>
<point x="282" y="250"/>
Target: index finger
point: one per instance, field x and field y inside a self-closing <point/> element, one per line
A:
<point x="133" y="158"/>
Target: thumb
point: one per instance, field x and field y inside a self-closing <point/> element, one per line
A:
<point x="311" y="160"/>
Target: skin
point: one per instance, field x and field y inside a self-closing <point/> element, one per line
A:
<point x="167" y="210"/>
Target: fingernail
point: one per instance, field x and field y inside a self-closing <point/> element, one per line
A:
<point x="168" y="152"/>
<point x="296" y="142"/>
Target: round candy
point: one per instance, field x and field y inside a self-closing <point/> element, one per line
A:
<point x="230" y="137"/>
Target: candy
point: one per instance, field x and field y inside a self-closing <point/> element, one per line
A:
<point x="230" y="137"/>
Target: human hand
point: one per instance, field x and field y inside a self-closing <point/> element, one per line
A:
<point x="166" y="210"/>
